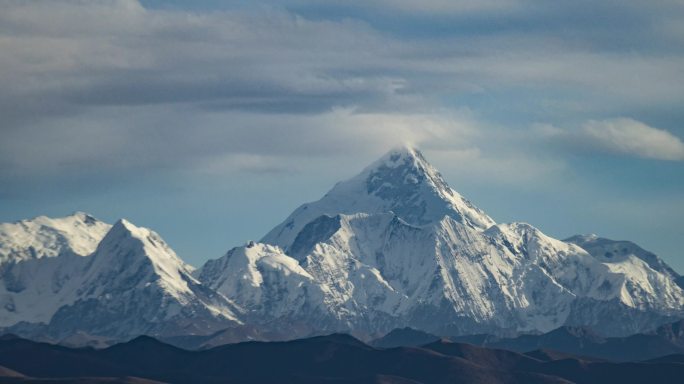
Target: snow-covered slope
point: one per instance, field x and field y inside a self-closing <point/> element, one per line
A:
<point x="645" y="273"/>
<point x="132" y="284"/>
<point x="402" y="182"/>
<point x="41" y="264"/>
<point x="42" y="236"/>
<point x="395" y="246"/>
<point x="135" y="284"/>
<point x="33" y="290"/>
<point x="272" y="286"/>
<point x="614" y="252"/>
<point x="449" y="278"/>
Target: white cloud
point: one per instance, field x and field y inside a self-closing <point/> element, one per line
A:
<point x="622" y="136"/>
<point x="510" y="169"/>
<point x="631" y="137"/>
<point x="131" y="138"/>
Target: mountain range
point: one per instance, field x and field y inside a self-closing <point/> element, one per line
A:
<point x="392" y="247"/>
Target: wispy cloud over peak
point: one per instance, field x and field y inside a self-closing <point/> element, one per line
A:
<point x="621" y="136"/>
<point x="631" y="137"/>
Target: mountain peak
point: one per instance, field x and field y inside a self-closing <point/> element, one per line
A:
<point x="403" y="151"/>
<point x="399" y="169"/>
<point x="42" y="236"/>
<point x="402" y="156"/>
<point x="137" y="247"/>
<point x="125" y="226"/>
<point x="123" y="231"/>
<point x="84" y="217"/>
<point x="615" y="251"/>
<point x="402" y="182"/>
<point x="73" y="219"/>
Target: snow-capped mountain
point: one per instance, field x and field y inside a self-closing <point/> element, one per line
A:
<point x="402" y="182"/>
<point x="33" y="290"/>
<point x="273" y="287"/>
<point x="42" y="236"/>
<point x="132" y="284"/>
<point x="395" y="246"/>
<point x="392" y="247"/>
<point x="620" y="252"/>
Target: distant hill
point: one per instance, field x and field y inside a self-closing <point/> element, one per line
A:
<point x="335" y="358"/>
<point x="578" y="341"/>
<point x="404" y="337"/>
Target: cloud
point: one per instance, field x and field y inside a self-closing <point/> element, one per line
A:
<point x="109" y="86"/>
<point x="141" y="141"/>
<point x="622" y="136"/>
<point x="449" y="6"/>
<point x="62" y="57"/>
<point x="500" y="167"/>
<point x="631" y="137"/>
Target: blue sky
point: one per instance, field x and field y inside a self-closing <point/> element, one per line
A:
<point x="210" y="121"/>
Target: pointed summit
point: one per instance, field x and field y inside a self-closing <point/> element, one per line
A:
<point x="403" y="182"/>
<point x="402" y="171"/>
<point x="139" y="250"/>
<point x="403" y="165"/>
<point x="400" y="154"/>
<point x="124" y="230"/>
<point x="134" y="284"/>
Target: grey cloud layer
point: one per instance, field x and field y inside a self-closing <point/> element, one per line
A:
<point x="115" y="85"/>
